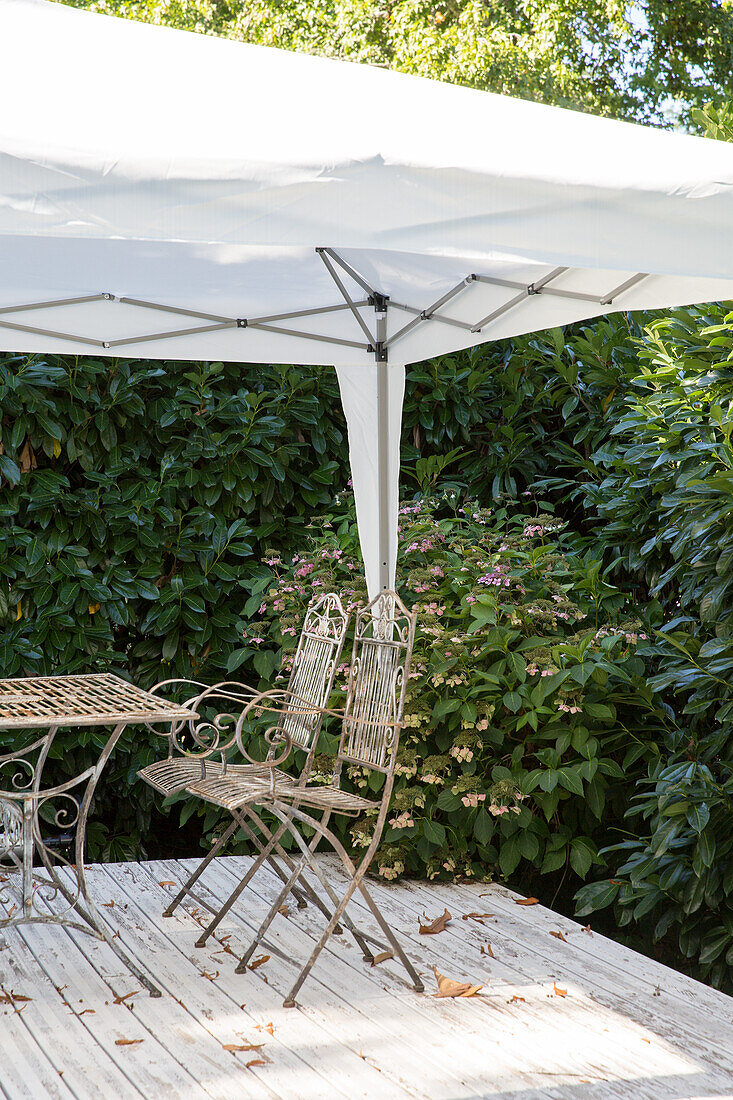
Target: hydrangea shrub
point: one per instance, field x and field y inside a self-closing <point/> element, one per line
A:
<point x="526" y="692"/>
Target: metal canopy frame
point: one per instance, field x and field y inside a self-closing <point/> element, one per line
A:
<point x="378" y="343"/>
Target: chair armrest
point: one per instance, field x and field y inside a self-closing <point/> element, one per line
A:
<point x="208" y="735"/>
<point x="282" y="703"/>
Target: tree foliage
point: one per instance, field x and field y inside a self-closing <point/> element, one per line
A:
<point x="648" y="61"/>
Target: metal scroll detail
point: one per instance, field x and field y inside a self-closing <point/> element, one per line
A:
<point x="11" y="829"/>
<point x="32" y="884"/>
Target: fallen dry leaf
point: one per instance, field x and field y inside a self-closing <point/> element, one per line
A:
<point x="515" y="998"/>
<point x="559" y="992"/>
<point x="121" y="998"/>
<point x="127" y="1042"/>
<point x="85" y="1010"/>
<point x="476" y="916"/>
<point x="486" y="950"/>
<point x="558" y="936"/>
<point x="7" y="997"/>
<point x="211" y="977"/>
<point x="166" y="882"/>
<point x="448" y="987"/>
<point x="526" y="901"/>
<point x="236" y="1047"/>
<point x="256" y="1062"/>
<point x="434" y="926"/>
<point x="259" y="961"/>
<point x="284" y="910"/>
<point x="382" y="957"/>
<point x="269" y="1028"/>
<point x="108" y="904"/>
<point x="587" y="929"/>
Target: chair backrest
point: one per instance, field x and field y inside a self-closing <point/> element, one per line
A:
<point x="375" y="702"/>
<point x="314" y="667"/>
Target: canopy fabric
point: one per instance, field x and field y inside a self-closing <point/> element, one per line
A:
<point x="176" y="196"/>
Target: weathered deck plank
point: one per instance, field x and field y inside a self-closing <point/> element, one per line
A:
<point x="371" y="1009"/>
<point x="628" y="1028"/>
<point x="624" y="980"/>
<point x="621" y="1048"/>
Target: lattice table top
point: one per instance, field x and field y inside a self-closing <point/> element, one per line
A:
<point x="94" y="700"/>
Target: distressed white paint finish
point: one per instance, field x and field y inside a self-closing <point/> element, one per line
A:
<point x="627" y="1028"/>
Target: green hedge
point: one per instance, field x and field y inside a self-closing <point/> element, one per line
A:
<point x="134" y="500"/>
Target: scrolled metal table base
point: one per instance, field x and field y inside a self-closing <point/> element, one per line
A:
<point x="33" y="886"/>
<point x="38" y="884"/>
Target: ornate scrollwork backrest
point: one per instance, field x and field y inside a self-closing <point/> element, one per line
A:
<point x="375" y="703"/>
<point x="217" y="708"/>
<point x="314" y="668"/>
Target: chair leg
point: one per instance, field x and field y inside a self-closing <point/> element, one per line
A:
<point x="214" y="924"/>
<point x="393" y="941"/>
<point x="289" y="1001"/>
<point x="298" y="893"/>
<point x="262" y="930"/>
<point x="356" y="875"/>
<point x="305" y="886"/>
<point x="186" y="888"/>
<point x="359" y="936"/>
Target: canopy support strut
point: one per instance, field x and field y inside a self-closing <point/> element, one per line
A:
<point x="376" y="346"/>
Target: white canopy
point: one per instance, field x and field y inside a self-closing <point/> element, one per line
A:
<point x="174" y="196"/>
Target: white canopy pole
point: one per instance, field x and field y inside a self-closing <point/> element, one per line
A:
<point x="387" y="520"/>
<point x="372" y="402"/>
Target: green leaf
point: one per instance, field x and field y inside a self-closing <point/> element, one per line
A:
<point x="236" y="658"/>
<point x="706" y="846"/>
<point x="509" y="855"/>
<point x="594" y="896"/>
<point x="9" y="469"/>
<point x="698" y="817"/>
<point x="582" y="855"/>
<point x="554" y="860"/>
<point x="434" y="832"/>
<point x="483" y="828"/>
<point x="549" y="780"/>
<point x="446" y="800"/>
<point x="512" y="701"/>
<point x="570" y="780"/>
<point x="170" y="645"/>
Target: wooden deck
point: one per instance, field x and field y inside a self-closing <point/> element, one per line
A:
<point x="579" y="1018"/>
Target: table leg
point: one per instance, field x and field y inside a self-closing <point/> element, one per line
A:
<point x="22" y="828"/>
<point x="28" y="856"/>
<point x="93" y="916"/>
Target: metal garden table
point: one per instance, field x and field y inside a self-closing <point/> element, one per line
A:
<point x="32" y="887"/>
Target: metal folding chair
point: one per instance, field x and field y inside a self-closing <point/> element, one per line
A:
<point x="371" y="723"/>
<point x="201" y="748"/>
